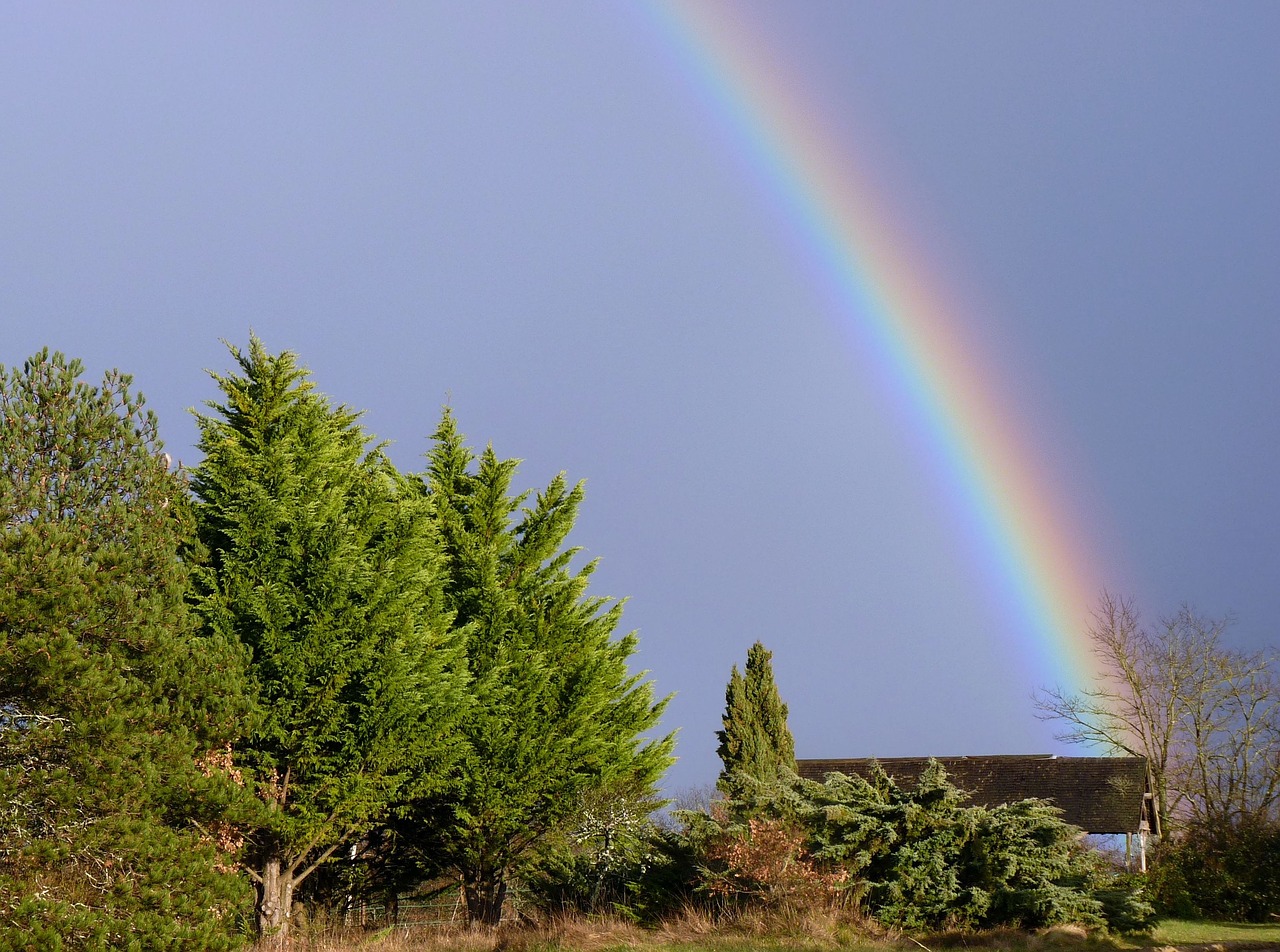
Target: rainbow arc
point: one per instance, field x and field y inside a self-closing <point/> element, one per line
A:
<point x="891" y="303"/>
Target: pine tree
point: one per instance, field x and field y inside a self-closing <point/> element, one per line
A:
<point x="324" y="565"/>
<point x="110" y="703"/>
<point x="755" y="740"/>
<point x="556" y="713"/>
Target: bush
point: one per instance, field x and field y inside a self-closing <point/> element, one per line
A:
<point x="1124" y="904"/>
<point x="765" y="862"/>
<point x="1220" y="870"/>
<point x="914" y="858"/>
<point x="602" y="859"/>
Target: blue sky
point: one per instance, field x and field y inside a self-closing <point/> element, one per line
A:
<point x="529" y="211"/>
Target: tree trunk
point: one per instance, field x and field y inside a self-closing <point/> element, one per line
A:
<point x="485" y="892"/>
<point x="275" y="898"/>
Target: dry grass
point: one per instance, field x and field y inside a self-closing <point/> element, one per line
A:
<point x="768" y="929"/>
<point x="779" y="931"/>
<point x="693" y="930"/>
<point x="1065" y="938"/>
<point x="579" y="934"/>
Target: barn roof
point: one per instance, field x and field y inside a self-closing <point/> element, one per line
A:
<point x="1097" y="794"/>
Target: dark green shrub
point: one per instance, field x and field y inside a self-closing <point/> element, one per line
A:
<point x="655" y="878"/>
<point x="1123" y="896"/>
<point x="921" y="858"/>
<point x="1220" y="870"/>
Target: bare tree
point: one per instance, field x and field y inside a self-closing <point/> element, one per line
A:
<point x="1206" y="717"/>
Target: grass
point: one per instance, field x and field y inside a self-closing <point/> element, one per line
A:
<point x="692" y="933"/>
<point x="595" y="936"/>
<point x="1180" y="932"/>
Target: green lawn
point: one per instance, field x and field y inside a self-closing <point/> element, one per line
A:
<point x="1186" y="932"/>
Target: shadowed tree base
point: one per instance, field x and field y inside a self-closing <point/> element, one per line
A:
<point x="485" y="896"/>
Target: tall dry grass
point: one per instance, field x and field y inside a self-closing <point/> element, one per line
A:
<point x="578" y="933"/>
<point x="690" y="930"/>
<point x="693" y="930"/>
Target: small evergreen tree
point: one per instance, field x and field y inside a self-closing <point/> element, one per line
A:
<point x="324" y="565"/>
<point x="556" y="713"/>
<point x="755" y="741"/>
<point x="109" y="701"/>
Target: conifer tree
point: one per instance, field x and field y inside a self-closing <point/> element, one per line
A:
<point x="755" y="740"/>
<point x="556" y="712"/>
<point x="323" y="563"/>
<point x="109" y="701"/>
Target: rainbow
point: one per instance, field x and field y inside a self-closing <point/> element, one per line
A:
<point x="895" y="309"/>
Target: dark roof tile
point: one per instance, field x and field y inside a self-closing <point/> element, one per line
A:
<point x="1097" y="794"/>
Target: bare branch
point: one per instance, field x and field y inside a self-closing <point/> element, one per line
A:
<point x="1206" y="718"/>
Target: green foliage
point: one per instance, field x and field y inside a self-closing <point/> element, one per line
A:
<point x="755" y="740"/>
<point x="556" y="714"/>
<point x="324" y="565"/>
<point x="655" y="876"/>
<point x="1220" y="870"/>
<point x="110" y="699"/>
<point x="1126" y="899"/>
<point x="921" y="858"/>
<point x="596" y="861"/>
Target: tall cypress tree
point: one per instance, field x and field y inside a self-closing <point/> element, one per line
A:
<point x="556" y="713"/>
<point x="755" y="740"/>
<point x="324" y="565"/>
<point x="109" y="701"/>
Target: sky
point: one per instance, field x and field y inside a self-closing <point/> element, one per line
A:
<point x="578" y="226"/>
